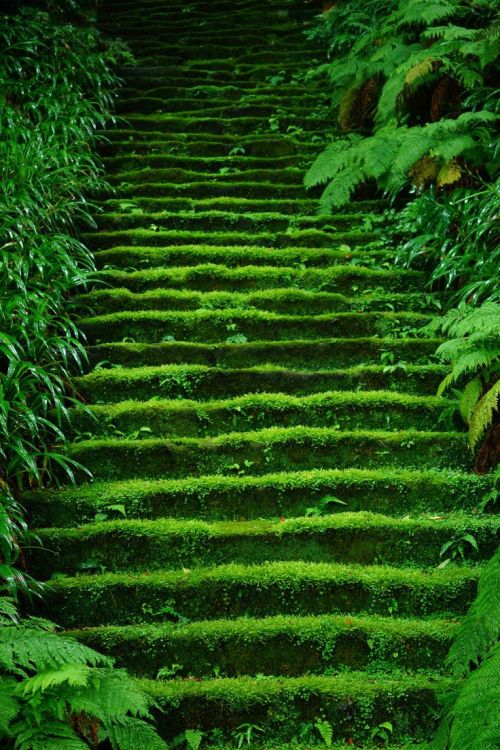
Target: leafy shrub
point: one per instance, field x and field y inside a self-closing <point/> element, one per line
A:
<point x="58" y="693"/>
<point x="455" y="237"/>
<point x="473" y="352"/>
<point x="471" y="711"/>
<point x="57" y="86"/>
<point x="415" y="92"/>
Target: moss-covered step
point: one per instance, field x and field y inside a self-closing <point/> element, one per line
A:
<point x="243" y="125"/>
<point x="210" y="188"/>
<point x="351" y="703"/>
<point x="235" y="276"/>
<point x="185" y="418"/>
<point x="224" y="267"/>
<point x="279" y="645"/>
<point x="259" y="590"/>
<point x="156" y="236"/>
<point x="130" y="163"/>
<point x="205" y="382"/>
<point x="153" y="326"/>
<point x="178" y="175"/>
<point x="291" y="301"/>
<point x="270" y="450"/>
<point x="387" y="490"/>
<point x="239" y="206"/>
<point x="346" y="537"/>
<point x="232" y="221"/>
<point x="257" y="145"/>
<point x="193" y="106"/>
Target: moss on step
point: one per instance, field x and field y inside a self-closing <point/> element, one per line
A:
<point x="236" y="275"/>
<point x="290" y="301"/>
<point x="185" y="418"/>
<point x="152" y="326"/>
<point x="258" y="590"/>
<point x="299" y="238"/>
<point x="273" y="449"/>
<point x="356" y="537"/>
<point x="265" y="646"/>
<point x="202" y="381"/>
<point x="211" y="256"/>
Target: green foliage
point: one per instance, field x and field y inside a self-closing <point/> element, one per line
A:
<point x="456" y="237"/>
<point x="415" y="95"/>
<point x="56" y="85"/>
<point x="14" y="535"/>
<point x="58" y="693"/>
<point x="471" y="711"/>
<point x="325" y="731"/>
<point x="473" y="352"/>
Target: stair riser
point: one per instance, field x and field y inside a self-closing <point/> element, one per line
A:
<point x="199" y="422"/>
<point x="231" y="223"/>
<point x="86" y="605"/>
<point x="265" y="497"/>
<point x="105" y="301"/>
<point x="211" y="277"/>
<point x="126" y="550"/>
<point x="148" y="328"/>
<point x="139" y="459"/>
<point x="220" y="384"/>
<point x="330" y="648"/>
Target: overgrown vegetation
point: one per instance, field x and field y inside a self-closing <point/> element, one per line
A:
<point x="413" y="83"/>
<point x="56" y="88"/>
<point x="56" y="693"/>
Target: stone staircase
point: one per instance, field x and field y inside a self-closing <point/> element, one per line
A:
<point x="273" y="479"/>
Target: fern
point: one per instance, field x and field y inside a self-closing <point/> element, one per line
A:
<point x="472" y="710"/>
<point x="403" y="49"/>
<point x="58" y="693"/>
<point x="481" y="627"/>
<point x="473" y="351"/>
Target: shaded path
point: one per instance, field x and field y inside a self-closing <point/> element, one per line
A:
<point x="271" y="489"/>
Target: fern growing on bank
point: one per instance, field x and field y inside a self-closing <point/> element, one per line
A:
<point x="407" y="91"/>
<point x="57" y="693"/>
<point x="472" y="710"/>
<point x="472" y="350"/>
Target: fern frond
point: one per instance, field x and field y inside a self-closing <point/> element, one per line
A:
<point x="481" y="626"/>
<point x="449" y="174"/>
<point x="9" y="705"/>
<point x="119" y="695"/>
<point x="482" y="416"/>
<point x="340" y="190"/>
<point x="470" y="396"/>
<point x="475" y="714"/>
<point x="24" y="648"/>
<point x="420" y="12"/>
<point x="132" y="734"/>
<point x="75" y="675"/>
<point x="329" y="163"/>
<point x="51" y="736"/>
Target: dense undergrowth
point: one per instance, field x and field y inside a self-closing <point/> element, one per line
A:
<point x="414" y="89"/>
<point x="57" y="87"/>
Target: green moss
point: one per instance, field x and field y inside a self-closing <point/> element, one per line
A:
<point x="265" y="645"/>
<point x="258" y="590"/>
<point x="358" y="537"/>
<point x="163" y="238"/>
<point x="347" y="410"/>
<point x="290" y="301"/>
<point x="202" y="381"/>
<point x="179" y="253"/>
<point x="385" y="490"/>
<point x="272" y="449"/>
<point x="218" y="325"/>
<point x="228" y="220"/>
